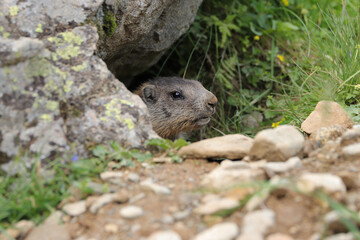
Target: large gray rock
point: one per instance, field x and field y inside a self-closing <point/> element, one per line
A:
<point x="55" y="94"/>
<point x="59" y="94"/>
<point x="145" y="29"/>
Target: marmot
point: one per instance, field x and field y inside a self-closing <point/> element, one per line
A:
<point x="177" y="105"/>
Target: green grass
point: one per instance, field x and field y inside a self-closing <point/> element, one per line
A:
<point x="269" y="56"/>
<point x="36" y="192"/>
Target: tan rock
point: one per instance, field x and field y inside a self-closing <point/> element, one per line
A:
<point x="326" y="113"/>
<point x="233" y="146"/>
<point x="50" y="229"/>
<point x="279" y="236"/>
<point x="230" y="173"/>
<point x="277" y="144"/>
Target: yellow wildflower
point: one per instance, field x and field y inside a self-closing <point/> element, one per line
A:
<point x="276" y="124"/>
<point x="257" y="38"/>
<point x="281" y="58"/>
<point x="285" y="2"/>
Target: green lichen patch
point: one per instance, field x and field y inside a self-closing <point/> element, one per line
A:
<point x="14" y="10"/>
<point x="80" y="67"/>
<point x="67" y="52"/>
<point x="112" y="111"/>
<point x="67" y="86"/>
<point x="38" y="67"/>
<point x="66" y="38"/>
<point x="52" y="105"/>
<point x="109" y="25"/>
<point x="129" y="123"/>
<point x="3" y="32"/>
<point x="39" y="28"/>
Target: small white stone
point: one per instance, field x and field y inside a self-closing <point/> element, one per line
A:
<point x="131" y="212"/>
<point x="133" y="177"/>
<point x="216" y="205"/>
<point x="75" y="209"/>
<point x="221" y="231"/>
<point x="156" y="188"/>
<point x="281" y="167"/>
<point x="167" y="219"/>
<point x="341" y="236"/>
<point x="182" y="214"/>
<point x="309" y="182"/>
<point x="230" y="173"/>
<point x="111" y="228"/>
<point x="352" y="151"/>
<point x="110" y="174"/>
<point x="101" y="201"/>
<point x="164" y="235"/>
<point x="137" y="198"/>
<point x="279" y="236"/>
<point x="256" y="224"/>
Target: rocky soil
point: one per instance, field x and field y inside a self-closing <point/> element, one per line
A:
<point x="276" y="186"/>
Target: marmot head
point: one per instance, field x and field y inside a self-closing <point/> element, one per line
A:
<point x="177" y="105"/>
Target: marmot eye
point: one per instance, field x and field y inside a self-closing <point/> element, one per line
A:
<point x="176" y="95"/>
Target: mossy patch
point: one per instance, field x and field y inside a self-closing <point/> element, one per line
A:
<point x="109" y="25"/>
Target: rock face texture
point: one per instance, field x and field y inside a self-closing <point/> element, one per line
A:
<point x="56" y="95"/>
<point x="142" y="31"/>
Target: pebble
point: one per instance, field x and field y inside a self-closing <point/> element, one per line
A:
<point x="231" y="173"/>
<point x="279" y="236"/>
<point x="272" y="168"/>
<point x="326" y="113"/>
<point x="167" y="219"/>
<point x="131" y="212"/>
<point x="351" y="136"/>
<point x="133" y="177"/>
<point x="137" y="198"/>
<point x="164" y="235"/>
<point x="220" y="231"/>
<point x="323" y="135"/>
<point x="278" y="144"/>
<point x="182" y="214"/>
<point x="75" y="209"/>
<point x="156" y="188"/>
<point x="20" y="230"/>
<point x="233" y="146"/>
<point x="101" y="201"/>
<point x="110" y="174"/>
<point x="309" y="182"/>
<point x="256" y="224"/>
<point x="216" y="205"/>
<point x="334" y="223"/>
<point x="352" y="151"/>
<point x="341" y="236"/>
<point x="111" y="228"/>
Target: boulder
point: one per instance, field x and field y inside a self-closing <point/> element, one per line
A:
<point x="138" y="32"/>
<point x="56" y="95"/>
<point x="326" y="113"/>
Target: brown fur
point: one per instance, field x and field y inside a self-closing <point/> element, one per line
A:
<point x="177" y="105"/>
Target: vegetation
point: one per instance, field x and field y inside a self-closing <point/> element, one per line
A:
<point x="275" y="57"/>
<point x="36" y="192"/>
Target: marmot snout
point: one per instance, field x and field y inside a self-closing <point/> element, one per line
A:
<point x="177" y="105"/>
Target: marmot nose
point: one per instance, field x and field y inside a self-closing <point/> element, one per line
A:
<point x="212" y="103"/>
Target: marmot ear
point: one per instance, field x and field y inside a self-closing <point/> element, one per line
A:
<point x="149" y="94"/>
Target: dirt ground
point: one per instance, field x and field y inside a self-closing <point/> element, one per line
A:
<point x="298" y="215"/>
